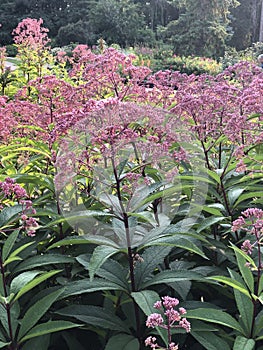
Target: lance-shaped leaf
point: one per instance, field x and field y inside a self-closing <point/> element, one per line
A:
<point x="242" y="343"/>
<point x="35" y="312"/>
<point x="99" y="256"/>
<point x="214" y="316"/>
<point x="36" y="281"/>
<point x="47" y="328"/>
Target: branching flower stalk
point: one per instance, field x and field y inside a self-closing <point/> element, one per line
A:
<point x="168" y="318"/>
<point x="251" y="222"/>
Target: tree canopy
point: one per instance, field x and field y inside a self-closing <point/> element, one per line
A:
<point x="195" y="27"/>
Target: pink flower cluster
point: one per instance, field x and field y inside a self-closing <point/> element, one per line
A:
<point x="167" y="319"/>
<point x="12" y="191"/>
<point x="251" y="221"/>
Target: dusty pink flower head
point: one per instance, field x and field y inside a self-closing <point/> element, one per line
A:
<point x="154" y="320"/>
<point x="247" y="247"/>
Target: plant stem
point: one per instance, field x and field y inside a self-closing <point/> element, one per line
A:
<point x="129" y="248"/>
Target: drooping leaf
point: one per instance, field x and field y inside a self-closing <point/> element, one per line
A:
<point x="78" y="217"/>
<point x="21" y="280"/>
<point x="34" y="314"/>
<point x="86" y="239"/>
<point x="42" y="260"/>
<point x="47" y="328"/>
<point x="96" y="316"/>
<point x="87" y="286"/>
<point x="8" y="245"/>
<point x="99" y="256"/>
<point x="36" y="281"/>
<point x="233" y="194"/>
<point x="13" y="255"/>
<point x="208" y="222"/>
<point x="232" y="283"/>
<point x="214" y="316"/>
<point x="151" y="258"/>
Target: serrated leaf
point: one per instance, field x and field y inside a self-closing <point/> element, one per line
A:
<point x="234" y="284"/>
<point x="245" y="270"/>
<point x="36" y="281"/>
<point x="210" y="341"/>
<point x="233" y="194"/>
<point x="42" y="260"/>
<point x="99" y="256"/>
<point x="87" y="286"/>
<point x="21" y="280"/>
<point x="9" y="243"/>
<point x="47" y="328"/>
<point x="122" y="342"/>
<point x="151" y="258"/>
<point x="244" y="304"/>
<point x="86" y="239"/>
<point x="96" y="316"/>
<point x="208" y="222"/>
<point x="214" y="316"/>
<point x="34" y="314"/>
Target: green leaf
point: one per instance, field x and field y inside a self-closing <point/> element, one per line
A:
<point x="233" y="194"/>
<point x="146" y="299"/>
<point x="170" y="276"/>
<point x="245" y="256"/>
<point x="86" y="239"/>
<point x="242" y="343"/>
<point x="234" y="284"/>
<point x="34" y="314"/>
<point x="122" y="342"/>
<point x="47" y="328"/>
<point x="36" y="281"/>
<point x="245" y="271"/>
<point x="17" y="251"/>
<point x="210" y="341"/>
<point x="179" y="241"/>
<point x="40" y="343"/>
<point x="99" y="256"/>
<point x="111" y="270"/>
<point x="96" y="316"/>
<point x="249" y="195"/>
<point x="214" y="316"/>
<point x="152" y="257"/>
<point x="245" y="306"/>
<point x="3" y="345"/>
<point x="41" y="260"/>
<point x="9" y="213"/>
<point x="209" y="222"/>
<point x="77" y="217"/>
<point x="88" y="286"/>
<point x="21" y="280"/>
<point x="9" y="243"/>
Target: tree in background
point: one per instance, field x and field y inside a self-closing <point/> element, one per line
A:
<point x="245" y="23"/>
<point x="202" y="27"/>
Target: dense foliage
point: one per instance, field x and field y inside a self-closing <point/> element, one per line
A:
<point x="131" y="202"/>
<point x="196" y="27"/>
